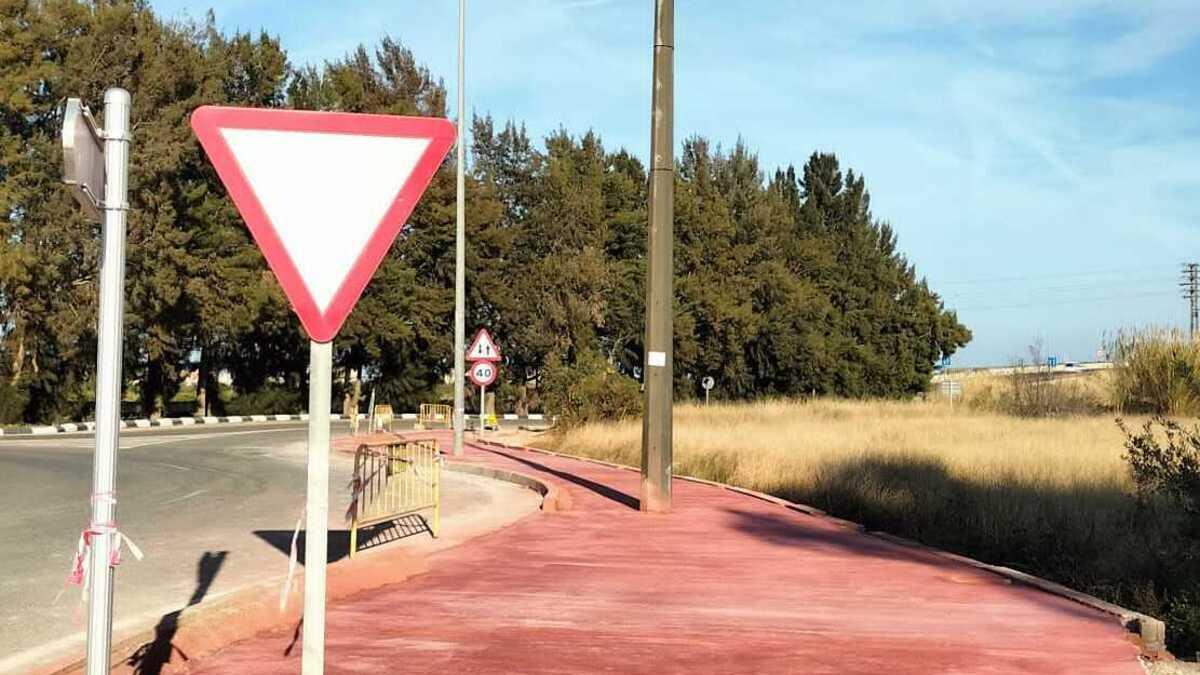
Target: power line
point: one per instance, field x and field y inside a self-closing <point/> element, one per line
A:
<point x="1063" y="301"/>
<point x="1190" y="282"/>
<point x="1032" y="277"/>
<point x="1124" y="283"/>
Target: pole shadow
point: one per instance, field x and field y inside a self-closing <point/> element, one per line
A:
<point x="338" y="546"/>
<point x="149" y="658"/>
<point x="598" y="488"/>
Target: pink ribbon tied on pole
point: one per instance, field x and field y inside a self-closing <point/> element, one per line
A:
<point x="81" y="562"/>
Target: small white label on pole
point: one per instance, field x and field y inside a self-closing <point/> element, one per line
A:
<point x="657" y="359"/>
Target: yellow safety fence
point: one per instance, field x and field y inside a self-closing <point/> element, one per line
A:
<point x="383" y="418"/>
<point x="394" y="480"/>
<point x="431" y="414"/>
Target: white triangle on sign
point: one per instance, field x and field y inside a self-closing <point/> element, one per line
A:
<point x="325" y="193"/>
<point x="483" y="348"/>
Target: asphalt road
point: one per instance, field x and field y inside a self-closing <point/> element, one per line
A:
<point x="186" y="495"/>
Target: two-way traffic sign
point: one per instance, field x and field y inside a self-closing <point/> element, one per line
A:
<point x="483" y="347"/>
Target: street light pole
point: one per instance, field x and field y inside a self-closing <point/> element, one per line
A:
<point x="658" y="371"/>
<point x="460" y="245"/>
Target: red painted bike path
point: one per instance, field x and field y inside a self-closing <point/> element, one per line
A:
<point x="726" y="583"/>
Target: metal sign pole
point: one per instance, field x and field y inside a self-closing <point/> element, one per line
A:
<point x="460" y="247"/>
<point x="320" y="368"/>
<point x="482" y="407"/>
<point x="108" y="381"/>
<point x="371" y="413"/>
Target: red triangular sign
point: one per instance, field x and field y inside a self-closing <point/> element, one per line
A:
<point x="483" y="347"/>
<point x="324" y="194"/>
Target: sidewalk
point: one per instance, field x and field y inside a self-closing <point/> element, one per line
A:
<point x="726" y="583"/>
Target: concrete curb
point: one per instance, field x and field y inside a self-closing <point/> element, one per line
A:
<point x="75" y="427"/>
<point x="1150" y="632"/>
<point x="212" y="626"/>
<point x="554" y="499"/>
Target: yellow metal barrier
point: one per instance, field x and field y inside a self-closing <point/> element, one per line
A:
<point x="433" y="413"/>
<point x="394" y="480"/>
<point x="384" y="418"/>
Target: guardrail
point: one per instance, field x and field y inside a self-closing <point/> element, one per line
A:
<point x="392" y="481"/>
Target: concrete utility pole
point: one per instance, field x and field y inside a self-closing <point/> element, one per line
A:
<point x="1190" y="283"/>
<point x="658" y="368"/>
<point x="460" y="244"/>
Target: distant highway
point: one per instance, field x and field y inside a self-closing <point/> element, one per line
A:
<point x="1066" y="368"/>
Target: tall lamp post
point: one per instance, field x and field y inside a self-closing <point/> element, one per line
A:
<point x="460" y="245"/>
<point x="658" y="367"/>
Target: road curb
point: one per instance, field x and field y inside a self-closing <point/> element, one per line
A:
<point x="75" y="427"/>
<point x="1149" y="632"/>
<point x="205" y="629"/>
<point x="554" y="499"/>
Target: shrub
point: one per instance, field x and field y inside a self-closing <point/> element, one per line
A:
<point x="1039" y="393"/>
<point x="591" y="390"/>
<point x="270" y="399"/>
<point x="1164" y="461"/>
<point x="12" y="403"/>
<point x="1156" y="371"/>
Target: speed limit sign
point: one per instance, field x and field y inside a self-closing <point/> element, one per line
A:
<point x="483" y="373"/>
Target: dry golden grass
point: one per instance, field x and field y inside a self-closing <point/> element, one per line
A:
<point x="789" y="444"/>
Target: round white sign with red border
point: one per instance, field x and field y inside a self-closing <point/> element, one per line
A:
<point x="483" y="373"/>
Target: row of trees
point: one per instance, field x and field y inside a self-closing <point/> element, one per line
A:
<point x="785" y="285"/>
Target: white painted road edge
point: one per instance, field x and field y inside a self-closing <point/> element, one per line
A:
<point x="72" y="427"/>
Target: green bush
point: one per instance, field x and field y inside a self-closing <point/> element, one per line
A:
<point x="590" y="390"/>
<point x="268" y="400"/>
<point x="12" y="404"/>
<point x="1164" y="460"/>
<point x="1156" y="371"/>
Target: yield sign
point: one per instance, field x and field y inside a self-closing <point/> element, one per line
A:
<point x="324" y="194"/>
<point x="483" y="347"/>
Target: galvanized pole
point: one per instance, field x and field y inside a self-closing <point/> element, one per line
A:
<point x="108" y="380"/>
<point x="371" y="413"/>
<point x="320" y="381"/>
<point x="482" y="407"/>
<point x="460" y="244"/>
<point x="658" y="372"/>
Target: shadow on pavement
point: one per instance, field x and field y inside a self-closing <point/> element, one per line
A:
<point x="338" y="545"/>
<point x="599" y="488"/>
<point x="150" y="658"/>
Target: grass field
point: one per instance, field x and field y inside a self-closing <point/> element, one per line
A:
<point x="1049" y="496"/>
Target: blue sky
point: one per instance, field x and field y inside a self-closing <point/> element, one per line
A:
<point x="1040" y="160"/>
